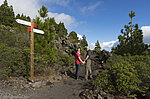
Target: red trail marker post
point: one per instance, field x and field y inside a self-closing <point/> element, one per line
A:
<point x="32" y="42"/>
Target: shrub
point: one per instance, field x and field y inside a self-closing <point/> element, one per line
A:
<point x="13" y="61"/>
<point x="67" y="60"/>
<point x="126" y="75"/>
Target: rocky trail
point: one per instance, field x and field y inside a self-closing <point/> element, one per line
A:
<point x="65" y="89"/>
<point x="69" y="89"/>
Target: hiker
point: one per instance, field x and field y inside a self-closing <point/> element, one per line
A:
<point x="78" y="62"/>
<point x="88" y="64"/>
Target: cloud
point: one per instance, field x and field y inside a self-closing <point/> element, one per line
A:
<point x="105" y="45"/>
<point x="31" y="7"/>
<point x="68" y="20"/>
<point x="28" y="7"/>
<point x="91" y="45"/>
<point x="58" y="2"/>
<point x="79" y="36"/>
<point x="109" y="44"/>
<point x="146" y="39"/>
<point x="90" y="7"/>
<point x="146" y="34"/>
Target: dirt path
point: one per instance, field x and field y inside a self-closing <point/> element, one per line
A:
<point x="68" y="89"/>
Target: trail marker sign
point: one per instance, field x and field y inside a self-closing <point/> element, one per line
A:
<point x="36" y="30"/>
<point x="32" y="41"/>
<point x="24" y="22"/>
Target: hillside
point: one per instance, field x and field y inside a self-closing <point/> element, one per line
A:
<point x="123" y="73"/>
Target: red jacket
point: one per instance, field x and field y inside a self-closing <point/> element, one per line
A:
<point x="77" y="58"/>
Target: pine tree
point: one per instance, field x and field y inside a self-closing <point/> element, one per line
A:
<point x="7" y="16"/>
<point x="43" y="12"/>
<point x="131" y="42"/>
<point x="44" y="45"/>
<point x="23" y="17"/>
<point x="73" y="37"/>
<point x="61" y="30"/>
<point x="83" y="42"/>
<point x="131" y="15"/>
<point x="97" y="46"/>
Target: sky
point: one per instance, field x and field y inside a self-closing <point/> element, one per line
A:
<point x="99" y="20"/>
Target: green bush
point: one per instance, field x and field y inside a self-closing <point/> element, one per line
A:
<point x="127" y="75"/>
<point x="67" y="60"/>
<point x="13" y="62"/>
<point x="64" y="59"/>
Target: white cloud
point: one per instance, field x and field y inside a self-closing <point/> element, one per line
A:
<point x="28" y="7"/>
<point x="68" y="20"/>
<point x="146" y="39"/>
<point x="105" y="45"/>
<point x="146" y="34"/>
<point x="31" y="7"/>
<point x="109" y="44"/>
<point x="91" y="45"/>
<point x="79" y="36"/>
<point x="90" y="7"/>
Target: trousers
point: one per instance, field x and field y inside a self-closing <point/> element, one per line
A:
<point x="77" y="70"/>
<point x="88" y="70"/>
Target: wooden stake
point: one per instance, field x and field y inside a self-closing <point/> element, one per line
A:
<point x="32" y="51"/>
<point x="32" y="43"/>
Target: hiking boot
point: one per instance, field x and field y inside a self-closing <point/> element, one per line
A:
<point x="91" y="77"/>
<point x="77" y="78"/>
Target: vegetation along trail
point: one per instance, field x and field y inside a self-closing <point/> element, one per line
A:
<point x="123" y="73"/>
